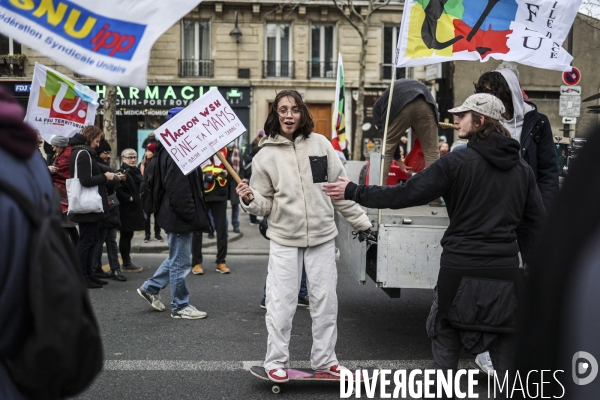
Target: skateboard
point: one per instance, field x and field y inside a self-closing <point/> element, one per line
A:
<point x="300" y="374"/>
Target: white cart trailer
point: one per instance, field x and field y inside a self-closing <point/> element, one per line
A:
<point x="408" y="250"/>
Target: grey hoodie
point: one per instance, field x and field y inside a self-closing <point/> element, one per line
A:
<point x="287" y="181"/>
<point x="515" y="125"/>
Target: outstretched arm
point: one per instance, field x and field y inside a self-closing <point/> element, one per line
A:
<point x="420" y="189"/>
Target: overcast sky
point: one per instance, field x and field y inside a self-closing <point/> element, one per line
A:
<point x="590" y="7"/>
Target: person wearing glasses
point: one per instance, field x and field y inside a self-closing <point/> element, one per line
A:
<point x="287" y="179"/>
<point x="130" y="207"/>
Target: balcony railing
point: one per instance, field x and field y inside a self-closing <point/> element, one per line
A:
<point x="196" y="68"/>
<point x="387" y="69"/>
<point x="278" y="69"/>
<point x="322" y="69"/>
<point x="12" y="66"/>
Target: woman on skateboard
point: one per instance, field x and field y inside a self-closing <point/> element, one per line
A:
<point x="287" y="179"/>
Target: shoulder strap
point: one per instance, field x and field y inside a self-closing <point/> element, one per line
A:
<point x="22" y="200"/>
<point x="77" y="157"/>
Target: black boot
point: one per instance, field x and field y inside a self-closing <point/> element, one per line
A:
<point x="98" y="281"/>
<point x="117" y="275"/>
<point x="99" y="273"/>
<point x="91" y="284"/>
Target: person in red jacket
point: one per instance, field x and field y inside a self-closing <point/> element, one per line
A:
<point x="60" y="173"/>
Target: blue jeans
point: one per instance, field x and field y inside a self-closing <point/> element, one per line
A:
<point x="303" y="290"/>
<point x="174" y="270"/>
<point x="235" y="216"/>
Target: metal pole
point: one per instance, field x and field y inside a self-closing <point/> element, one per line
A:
<point x="567" y="127"/>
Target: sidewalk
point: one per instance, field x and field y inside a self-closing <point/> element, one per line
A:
<point x="248" y="242"/>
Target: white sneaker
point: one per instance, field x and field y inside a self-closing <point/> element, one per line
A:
<point x="484" y="362"/>
<point x="190" y="312"/>
<point x="278" y="375"/>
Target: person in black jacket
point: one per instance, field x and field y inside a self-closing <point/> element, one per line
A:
<point x="182" y="212"/>
<point x="488" y="191"/>
<point x="531" y="128"/>
<point x="108" y="227"/>
<point x="90" y="175"/>
<point x="130" y="207"/>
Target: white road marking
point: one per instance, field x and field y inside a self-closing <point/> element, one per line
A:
<point x="219" y="366"/>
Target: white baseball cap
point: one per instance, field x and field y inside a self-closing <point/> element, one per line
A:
<point x="484" y="104"/>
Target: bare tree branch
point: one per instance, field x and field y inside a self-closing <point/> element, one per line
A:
<point x="343" y="12"/>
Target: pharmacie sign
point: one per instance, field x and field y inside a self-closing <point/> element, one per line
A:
<point x="167" y="96"/>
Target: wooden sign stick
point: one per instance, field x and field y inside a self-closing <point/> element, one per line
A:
<point x="231" y="171"/>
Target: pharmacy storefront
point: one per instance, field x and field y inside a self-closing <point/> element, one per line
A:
<point x="141" y="111"/>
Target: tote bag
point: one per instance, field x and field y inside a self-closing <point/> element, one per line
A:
<point x="83" y="200"/>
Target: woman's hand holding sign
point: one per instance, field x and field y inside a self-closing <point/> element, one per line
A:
<point x="244" y="191"/>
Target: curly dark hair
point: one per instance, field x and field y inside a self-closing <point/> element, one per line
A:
<point x="490" y="125"/>
<point x="272" y="124"/>
<point x="498" y="87"/>
<point x="91" y="132"/>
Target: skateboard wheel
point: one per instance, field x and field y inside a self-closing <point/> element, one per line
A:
<point x="276" y="389"/>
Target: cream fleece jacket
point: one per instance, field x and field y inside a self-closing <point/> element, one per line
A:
<point x="287" y="180"/>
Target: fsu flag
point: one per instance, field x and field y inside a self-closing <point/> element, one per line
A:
<point x="338" y="134"/>
<point x="58" y="105"/>
<point x="530" y="33"/>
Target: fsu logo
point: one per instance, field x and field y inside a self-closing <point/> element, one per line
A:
<point x="63" y="100"/>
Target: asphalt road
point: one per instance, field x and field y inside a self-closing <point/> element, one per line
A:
<point x="148" y="354"/>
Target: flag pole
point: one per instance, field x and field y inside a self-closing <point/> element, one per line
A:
<point x="385" y="131"/>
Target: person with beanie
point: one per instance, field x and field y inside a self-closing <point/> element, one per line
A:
<point x="59" y="169"/>
<point x="108" y="227"/>
<point x="182" y="212"/>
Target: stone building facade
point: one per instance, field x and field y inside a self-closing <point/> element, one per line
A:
<point x="295" y="45"/>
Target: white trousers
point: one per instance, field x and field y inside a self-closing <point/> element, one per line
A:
<point x="283" y="284"/>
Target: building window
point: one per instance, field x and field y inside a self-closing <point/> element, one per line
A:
<point x="390" y="42"/>
<point x="195" y="49"/>
<point x="278" y="51"/>
<point x="9" y="46"/>
<point x="322" y="62"/>
<point x="12" y="62"/>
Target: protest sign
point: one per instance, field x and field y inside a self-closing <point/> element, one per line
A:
<point x="58" y="105"/>
<point x="94" y="38"/>
<point x="200" y="130"/>
<point x="530" y="33"/>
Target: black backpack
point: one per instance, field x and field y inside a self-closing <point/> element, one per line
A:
<point x="62" y="352"/>
<point x="151" y="189"/>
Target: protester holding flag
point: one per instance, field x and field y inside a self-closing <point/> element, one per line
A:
<point x="288" y="174"/>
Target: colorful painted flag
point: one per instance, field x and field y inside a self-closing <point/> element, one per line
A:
<point x="109" y="40"/>
<point x="58" y="105"/>
<point x="338" y="133"/>
<point x="530" y="33"/>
